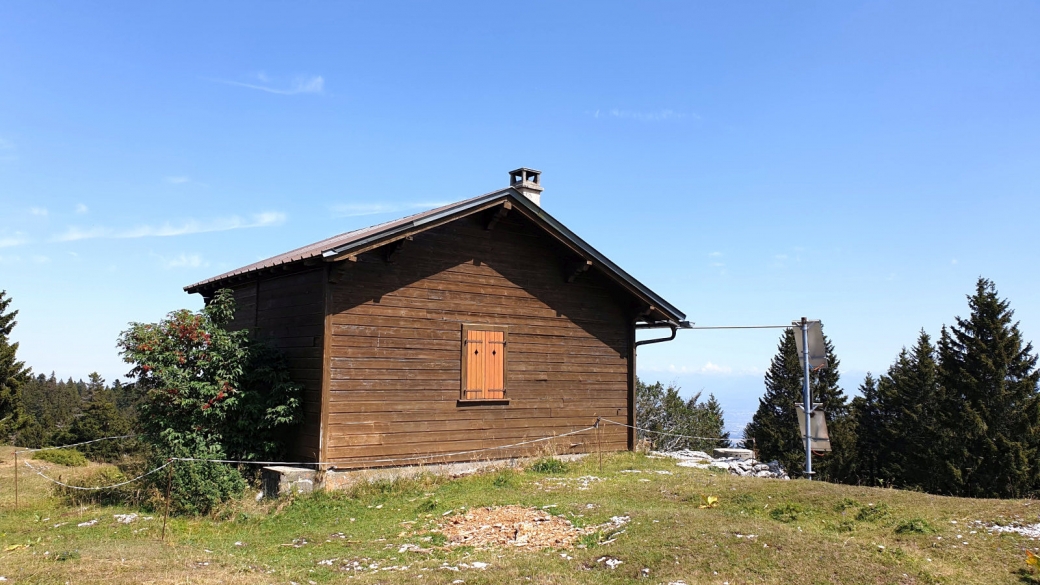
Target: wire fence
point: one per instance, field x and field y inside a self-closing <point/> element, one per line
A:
<point x="368" y="462"/>
<point x="97" y="488"/>
<point x="77" y="444"/>
<point x="171" y="462"/>
<point x="670" y="434"/>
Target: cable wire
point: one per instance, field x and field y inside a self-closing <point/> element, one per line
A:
<point x="395" y="459"/>
<point x="75" y="444"/>
<point x="106" y="487"/>
<point x="607" y="420"/>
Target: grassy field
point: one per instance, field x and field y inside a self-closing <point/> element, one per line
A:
<point x="761" y="531"/>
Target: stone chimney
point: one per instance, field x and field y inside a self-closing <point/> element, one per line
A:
<point x="528" y="182"/>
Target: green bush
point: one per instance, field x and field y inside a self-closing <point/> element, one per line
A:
<point x="872" y="513"/>
<point x="846" y="504"/>
<point x="786" y="512"/>
<point x="549" y="465"/>
<point x="198" y="487"/>
<point x="505" y="479"/>
<point x="67" y="457"/>
<point x="426" y="506"/>
<point x="208" y="393"/>
<point x="131" y="494"/>
<point x="914" y="526"/>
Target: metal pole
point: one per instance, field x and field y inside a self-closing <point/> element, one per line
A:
<point x="599" y="443"/>
<point x="16" y="480"/>
<point x="169" y="485"/>
<point x="807" y="396"/>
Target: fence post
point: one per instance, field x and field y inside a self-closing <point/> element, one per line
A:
<point x="599" y="442"/>
<point x="169" y="485"/>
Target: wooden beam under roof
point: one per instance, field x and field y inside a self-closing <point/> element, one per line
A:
<point x="394" y="248"/>
<point x="576" y="269"/>
<point x="339" y="272"/>
<point x="499" y="215"/>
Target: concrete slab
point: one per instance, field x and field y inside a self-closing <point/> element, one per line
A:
<point x="738" y="453"/>
<point x="279" y="480"/>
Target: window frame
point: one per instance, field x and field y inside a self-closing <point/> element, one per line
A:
<point x="463" y="354"/>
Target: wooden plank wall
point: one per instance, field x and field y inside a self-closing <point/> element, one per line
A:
<point x="288" y="312"/>
<point x="395" y="347"/>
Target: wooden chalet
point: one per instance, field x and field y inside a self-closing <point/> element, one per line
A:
<point x="478" y="324"/>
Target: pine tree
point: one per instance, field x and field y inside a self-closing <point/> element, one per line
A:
<point x="911" y="399"/>
<point x="670" y="423"/>
<point x="718" y="419"/>
<point x="13" y="373"/>
<point x="989" y="378"/>
<point x="867" y="418"/>
<point x="101" y="418"/>
<point x="774" y="426"/>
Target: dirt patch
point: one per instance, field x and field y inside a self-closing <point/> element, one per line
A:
<point x="511" y="526"/>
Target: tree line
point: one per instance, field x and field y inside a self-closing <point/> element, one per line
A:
<point x="40" y="411"/>
<point x="959" y="416"/>
<point x="201" y="391"/>
<point x="667" y="422"/>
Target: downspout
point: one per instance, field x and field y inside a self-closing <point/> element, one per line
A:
<point x="632" y="375"/>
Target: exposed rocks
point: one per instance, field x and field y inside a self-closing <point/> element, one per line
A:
<point x="735" y="465"/>
<point x="520" y="526"/>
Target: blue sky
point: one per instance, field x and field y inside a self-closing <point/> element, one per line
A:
<point x="858" y="162"/>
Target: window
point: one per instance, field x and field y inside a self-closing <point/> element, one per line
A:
<point x="483" y="362"/>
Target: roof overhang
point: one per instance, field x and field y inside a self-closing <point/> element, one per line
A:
<point x="344" y="247"/>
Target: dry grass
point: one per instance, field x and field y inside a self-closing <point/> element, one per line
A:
<point x="763" y="531"/>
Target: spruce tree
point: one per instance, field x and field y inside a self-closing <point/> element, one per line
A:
<point x="911" y="430"/>
<point x="989" y="378"/>
<point x="868" y="422"/>
<point x="13" y="373"/>
<point x="774" y="426"/>
<point x="718" y="419"/>
<point x="101" y="418"/>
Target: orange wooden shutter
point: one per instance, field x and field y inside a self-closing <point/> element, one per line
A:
<point x="475" y="359"/>
<point x="494" y="365"/>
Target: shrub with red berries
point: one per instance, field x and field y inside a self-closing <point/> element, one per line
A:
<point x="209" y="392"/>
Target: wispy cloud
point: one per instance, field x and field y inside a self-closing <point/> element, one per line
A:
<point x="644" y="116"/>
<point x="177" y="180"/>
<point x="715" y="255"/>
<point x="185" y="261"/>
<point x="299" y="84"/>
<point x="359" y="209"/>
<point x="81" y="209"/>
<point x="708" y="369"/>
<point x="11" y="241"/>
<point x="7" y="151"/>
<point x="190" y="226"/>
<point x="41" y="211"/>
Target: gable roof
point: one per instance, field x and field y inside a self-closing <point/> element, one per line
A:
<point x="362" y="240"/>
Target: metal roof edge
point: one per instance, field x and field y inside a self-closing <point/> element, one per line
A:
<point x="657" y="299"/>
<point x="461" y="207"/>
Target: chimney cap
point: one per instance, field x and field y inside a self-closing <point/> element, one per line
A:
<point x="525" y="175"/>
<point x="528" y="182"/>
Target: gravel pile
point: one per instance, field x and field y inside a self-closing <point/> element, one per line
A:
<point x="520" y="526"/>
<point x="735" y="465"/>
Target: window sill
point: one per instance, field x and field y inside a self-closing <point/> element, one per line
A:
<point x="482" y="401"/>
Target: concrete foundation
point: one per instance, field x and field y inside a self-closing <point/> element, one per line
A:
<point x="338" y="480"/>
<point x="738" y="453"/>
<point x="280" y="480"/>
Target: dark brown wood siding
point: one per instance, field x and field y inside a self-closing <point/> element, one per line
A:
<point x="288" y="312"/>
<point x="396" y="335"/>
